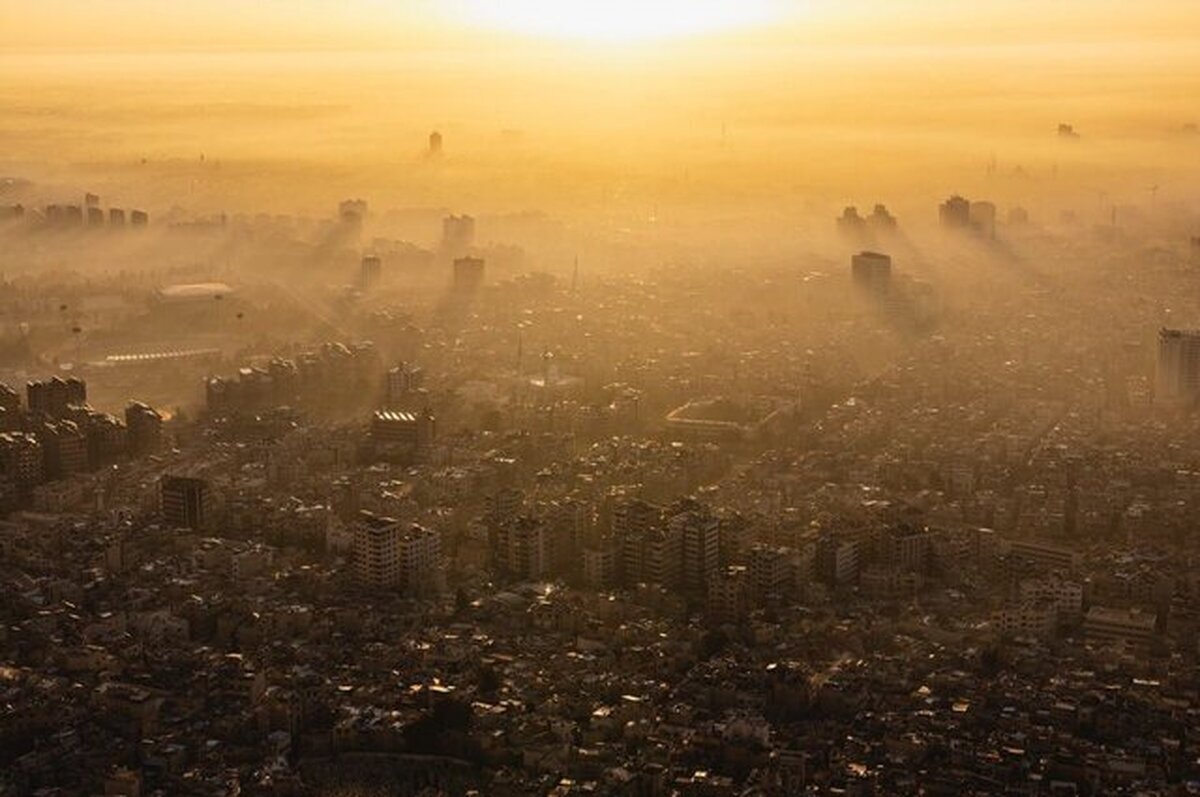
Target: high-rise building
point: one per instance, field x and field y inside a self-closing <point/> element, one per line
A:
<point x="64" y="448"/>
<point x="10" y="409"/>
<point x="1178" y="365"/>
<point x="633" y="520"/>
<point x="21" y="461"/>
<point x="600" y="567"/>
<point x="436" y="142"/>
<point x="144" y="429"/>
<point x="906" y="550"/>
<point x="10" y="399"/>
<point x="872" y="271"/>
<point x="881" y="219"/>
<point x="503" y="505"/>
<point x="983" y="218"/>
<point x="184" y="501"/>
<point x="458" y="235"/>
<point x="420" y="560"/>
<point x="521" y="549"/>
<point x="352" y="211"/>
<point x="772" y="570"/>
<point x="399" y="429"/>
<point x="52" y="397"/>
<point x="377" y="552"/>
<point x="955" y="213"/>
<point x="837" y="560"/>
<point x="850" y="223"/>
<point x="370" y="271"/>
<point x="728" y="595"/>
<point x="653" y="556"/>
<point x="390" y="555"/>
<point x="468" y="274"/>
<point x="402" y="384"/>
<point x="107" y="437"/>
<point x="700" y="541"/>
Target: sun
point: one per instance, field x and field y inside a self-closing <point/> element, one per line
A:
<point x="616" y="21"/>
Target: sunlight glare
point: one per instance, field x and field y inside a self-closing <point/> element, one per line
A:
<point x="617" y="21"/>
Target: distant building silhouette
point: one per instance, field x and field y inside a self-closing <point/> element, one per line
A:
<point x="1178" y="365"/>
<point x="352" y="211"/>
<point x="458" y="235"/>
<point x="55" y="396"/>
<point x="872" y="271"/>
<point x="435" y="145"/>
<point x="850" y="223"/>
<point x="983" y="218"/>
<point x="881" y="219"/>
<point x="958" y="213"/>
<point x="468" y="274"/>
<point x="184" y="501"/>
<point x="955" y="213"/>
<point x="370" y="271"/>
<point x="144" y="429"/>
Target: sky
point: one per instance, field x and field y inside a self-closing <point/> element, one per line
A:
<point x="450" y="24"/>
<point x="573" y="105"/>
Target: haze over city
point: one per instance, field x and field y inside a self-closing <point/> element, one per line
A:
<point x="561" y="397"/>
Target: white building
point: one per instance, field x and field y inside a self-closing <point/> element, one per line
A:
<point x="391" y="556"/>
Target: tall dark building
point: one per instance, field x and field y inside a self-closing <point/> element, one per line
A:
<point x="10" y="400"/>
<point x="872" y="271"/>
<point x="435" y="144"/>
<point x="1178" y="365"/>
<point x="184" y="501"/>
<point x="850" y="223"/>
<point x="955" y="213"/>
<point x="700" y="540"/>
<point x="52" y="397"/>
<point x="21" y="461"/>
<point x="468" y="274"/>
<point x="881" y="219"/>
<point x="144" y="429"/>
<point x="983" y="218"/>
<point x="64" y="449"/>
<point x="370" y="271"/>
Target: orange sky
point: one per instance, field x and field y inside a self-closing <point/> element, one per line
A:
<point x="411" y="24"/>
